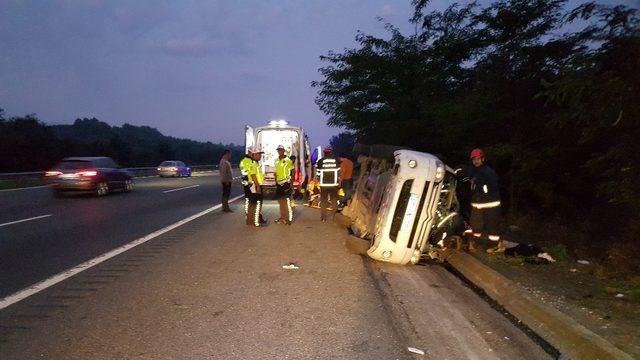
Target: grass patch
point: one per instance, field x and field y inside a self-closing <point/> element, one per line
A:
<point x="557" y="251"/>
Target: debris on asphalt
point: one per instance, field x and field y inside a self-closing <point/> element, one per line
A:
<point x="415" y="350"/>
<point x="620" y="295"/>
<point x="291" y="266"/>
<point x="506" y="338"/>
<point x="583" y="262"/>
<point x="573" y="269"/>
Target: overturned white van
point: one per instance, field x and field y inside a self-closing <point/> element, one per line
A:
<point x="397" y="200"/>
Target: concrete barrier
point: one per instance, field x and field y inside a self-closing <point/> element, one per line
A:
<point x="573" y="340"/>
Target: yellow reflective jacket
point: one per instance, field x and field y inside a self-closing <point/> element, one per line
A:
<point x="283" y="169"/>
<point x="246" y="166"/>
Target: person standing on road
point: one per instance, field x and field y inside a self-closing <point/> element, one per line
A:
<point x="256" y="179"/>
<point x="284" y="176"/>
<point x="485" y="201"/>
<point x="294" y="179"/>
<point x="329" y="172"/>
<point x="346" y="177"/>
<point x="246" y="166"/>
<point x="226" y="178"/>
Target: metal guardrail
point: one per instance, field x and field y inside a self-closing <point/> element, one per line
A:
<point x="35" y="178"/>
<point x="151" y="171"/>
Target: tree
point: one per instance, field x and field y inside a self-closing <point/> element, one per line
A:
<point x="556" y="111"/>
<point x="343" y="144"/>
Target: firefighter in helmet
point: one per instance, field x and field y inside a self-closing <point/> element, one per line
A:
<point x="329" y="175"/>
<point x="485" y="202"/>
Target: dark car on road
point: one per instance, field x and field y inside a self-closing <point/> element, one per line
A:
<point x="173" y="168"/>
<point x="98" y="175"/>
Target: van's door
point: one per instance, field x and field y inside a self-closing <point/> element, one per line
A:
<point x="249" y="138"/>
<point x="305" y="164"/>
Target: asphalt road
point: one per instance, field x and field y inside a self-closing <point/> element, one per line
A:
<point x="78" y="228"/>
<point x="216" y="289"/>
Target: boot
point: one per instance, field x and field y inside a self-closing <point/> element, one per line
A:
<point x="472" y="245"/>
<point x="499" y="249"/>
<point x="458" y="242"/>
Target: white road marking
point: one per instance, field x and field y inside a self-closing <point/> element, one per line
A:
<point x="23" y="220"/>
<point x="36" y="288"/>
<point x="25" y="188"/>
<point x="195" y="174"/>
<point x="182" y="188"/>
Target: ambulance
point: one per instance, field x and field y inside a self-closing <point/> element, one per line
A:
<point x="296" y="143"/>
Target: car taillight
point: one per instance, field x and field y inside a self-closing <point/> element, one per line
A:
<point x="52" y="173"/>
<point x="87" y="173"/>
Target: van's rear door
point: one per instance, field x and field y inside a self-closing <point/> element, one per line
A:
<point x="249" y="137"/>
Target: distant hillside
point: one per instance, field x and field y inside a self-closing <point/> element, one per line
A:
<point x="26" y="144"/>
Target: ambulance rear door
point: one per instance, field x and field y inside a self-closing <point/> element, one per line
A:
<point x="249" y="138"/>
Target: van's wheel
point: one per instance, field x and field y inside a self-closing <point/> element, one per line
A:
<point x="102" y="189"/>
<point x="128" y="185"/>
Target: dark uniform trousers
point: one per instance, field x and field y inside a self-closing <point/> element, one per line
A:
<point x="283" y="193"/>
<point x="255" y="207"/>
<point x="328" y="194"/>
<point x="486" y="221"/>
<point x="226" y="192"/>
<point x="247" y="197"/>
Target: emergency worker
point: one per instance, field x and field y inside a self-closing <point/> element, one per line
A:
<point x="329" y="179"/>
<point x="246" y="167"/>
<point x="346" y="177"/>
<point x="284" y="176"/>
<point x="485" y="201"/>
<point x="226" y="178"/>
<point x="256" y="179"/>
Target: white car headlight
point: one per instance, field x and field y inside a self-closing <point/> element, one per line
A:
<point x="413" y="163"/>
<point x="440" y="171"/>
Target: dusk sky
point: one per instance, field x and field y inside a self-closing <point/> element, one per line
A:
<point x="192" y="69"/>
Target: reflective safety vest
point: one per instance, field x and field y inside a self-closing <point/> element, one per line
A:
<point x="328" y="169"/>
<point x="257" y="171"/>
<point x="246" y="166"/>
<point x="283" y="170"/>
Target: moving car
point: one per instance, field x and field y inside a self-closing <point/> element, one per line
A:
<point x="98" y="175"/>
<point x="173" y="168"/>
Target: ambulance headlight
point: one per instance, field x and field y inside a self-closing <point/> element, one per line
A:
<point x="413" y="163"/>
<point x="440" y="171"/>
